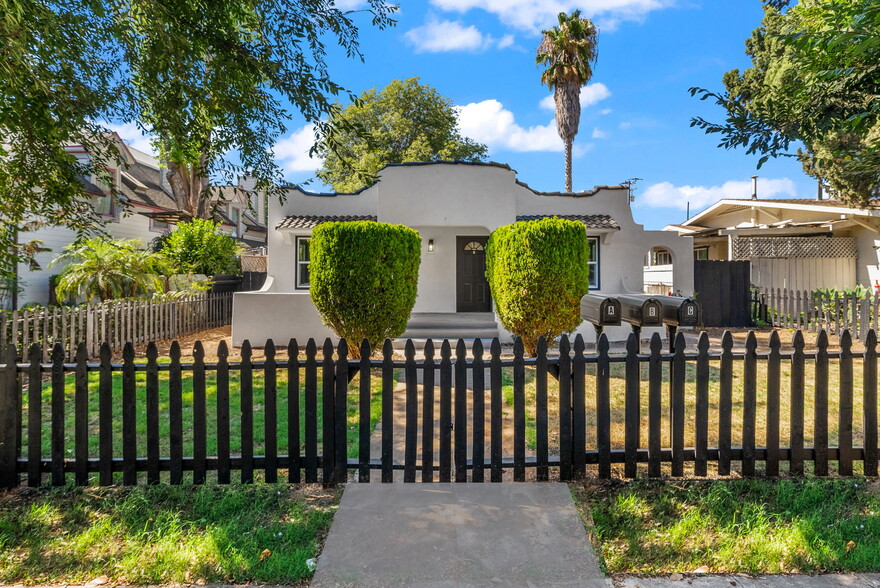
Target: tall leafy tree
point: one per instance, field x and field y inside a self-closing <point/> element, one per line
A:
<point x="58" y="76"/>
<point x="813" y="92"/>
<point x="210" y="79"/>
<point x="207" y="78"/>
<point x="568" y="51"/>
<point x="404" y="122"/>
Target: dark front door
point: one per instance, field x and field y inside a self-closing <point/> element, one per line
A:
<point x="472" y="291"/>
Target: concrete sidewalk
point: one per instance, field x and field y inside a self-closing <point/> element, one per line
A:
<point x="730" y="580"/>
<point x="451" y="535"/>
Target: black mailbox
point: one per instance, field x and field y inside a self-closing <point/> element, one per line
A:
<point x="602" y="311"/>
<point x="640" y="311"/>
<point x="681" y="312"/>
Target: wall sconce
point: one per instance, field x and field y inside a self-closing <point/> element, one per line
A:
<point x="430" y="245"/>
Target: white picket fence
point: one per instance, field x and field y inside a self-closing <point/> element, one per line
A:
<point x="116" y="322"/>
<point x="812" y="311"/>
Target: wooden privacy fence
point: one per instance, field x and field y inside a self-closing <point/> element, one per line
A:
<point x="116" y="322"/>
<point x="815" y="311"/>
<point x="312" y="416"/>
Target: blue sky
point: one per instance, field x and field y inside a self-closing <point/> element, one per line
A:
<point x="635" y="120"/>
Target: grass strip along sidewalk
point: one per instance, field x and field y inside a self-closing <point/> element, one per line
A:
<point x="164" y="534"/>
<point x="735" y="526"/>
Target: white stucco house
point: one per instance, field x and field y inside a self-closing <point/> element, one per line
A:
<point x="454" y="206"/>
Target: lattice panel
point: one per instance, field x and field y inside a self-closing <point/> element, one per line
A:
<point x="253" y="263"/>
<point x="793" y="247"/>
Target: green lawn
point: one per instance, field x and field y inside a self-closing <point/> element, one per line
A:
<point x="164" y="534"/>
<point x="743" y="526"/>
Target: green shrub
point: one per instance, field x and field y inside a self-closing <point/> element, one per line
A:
<point x="195" y="247"/>
<point x="364" y="276"/>
<point x="537" y="272"/>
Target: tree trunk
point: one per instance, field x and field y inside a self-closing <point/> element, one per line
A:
<point x="188" y="184"/>
<point x="568" y="166"/>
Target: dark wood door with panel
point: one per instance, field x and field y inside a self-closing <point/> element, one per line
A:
<point x="472" y="287"/>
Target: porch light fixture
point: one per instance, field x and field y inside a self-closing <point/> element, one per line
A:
<point x="430" y="245"/>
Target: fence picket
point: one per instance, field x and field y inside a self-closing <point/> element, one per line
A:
<point x="565" y="410"/>
<point x="365" y="400"/>
<point x="10" y="417"/>
<point x="677" y="415"/>
<point x="725" y="404"/>
<point x="129" y="427"/>
<point x="750" y="385"/>
<point x="655" y="375"/>
<point x="796" y="418"/>
<point x="869" y="402"/>
<point x="578" y="409"/>
<point x="428" y="413"/>
<point x="460" y="429"/>
<point x="340" y="414"/>
<point x="387" y="412"/>
<point x="497" y="431"/>
<point x="175" y="415"/>
<point x="246" y="393"/>
<point x="820" y="407"/>
<point x="773" y="414"/>
<point x="519" y="412"/>
<point x="632" y="407"/>
<point x="701" y="410"/>
<point x="478" y="454"/>
<point x="445" y="412"/>
<point x="541" y="415"/>
<point x="152" y="414"/>
<point x="412" y="417"/>
<point x="294" y="475"/>
<point x="223" y="416"/>
<point x="311" y="410"/>
<point x="200" y="415"/>
<point x="35" y="417"/>
<point x="845" y="418"/>
<point x="270" y="412"/>
<point x="603" y="405"/>
<point x="57" y="465"/>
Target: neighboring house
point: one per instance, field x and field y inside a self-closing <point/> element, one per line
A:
<point x="799" y="243"/>
<point x="658" y="272"/>
<point x="454" y="206"/>
<point x="143" y="209"/>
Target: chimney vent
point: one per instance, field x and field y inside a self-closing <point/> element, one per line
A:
<point x="754" y="187"/>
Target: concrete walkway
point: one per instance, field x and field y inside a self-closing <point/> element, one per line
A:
<point x="457" y="535"/>
<point x="730" y="580"/>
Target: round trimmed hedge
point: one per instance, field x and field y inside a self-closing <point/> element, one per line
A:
<point x="364" y="276"/>
<point x="538" y="270"/>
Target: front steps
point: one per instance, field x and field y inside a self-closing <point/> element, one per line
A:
<point x="448" y="325"/>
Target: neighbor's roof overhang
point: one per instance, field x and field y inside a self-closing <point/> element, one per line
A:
<point x="307" y="222"/>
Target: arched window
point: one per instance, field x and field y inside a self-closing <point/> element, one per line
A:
<point x="473" y="247"/>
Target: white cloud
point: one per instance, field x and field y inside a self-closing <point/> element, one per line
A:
<point x="599" y="133"/>
<point x="605" y="111"/>
<point x="665" y="195"/>
<point x="436" y="36"/>
<point x="133" y="137"/>
<point x="590" y="94"/>
<point x="625" y="125"/>
<point x="292" y="152"/>
<point x="490" y="123"/>
<point x="534" y="15"/>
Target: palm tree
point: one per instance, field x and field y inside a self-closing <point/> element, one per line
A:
<point x="109" y="269"/>
<point x="568" y="51"/>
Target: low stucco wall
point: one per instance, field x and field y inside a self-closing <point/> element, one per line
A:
<point x="280" y="316"/>
<point x="586" y="330"/>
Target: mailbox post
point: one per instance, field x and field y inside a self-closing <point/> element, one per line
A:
<point x="601" y="311"/>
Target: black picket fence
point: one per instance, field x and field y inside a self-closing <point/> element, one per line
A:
<point x="313" y="417"/>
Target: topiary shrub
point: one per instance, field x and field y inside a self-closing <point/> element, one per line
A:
<point x="537" y="272"/>
<point x="364" y="276"/>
